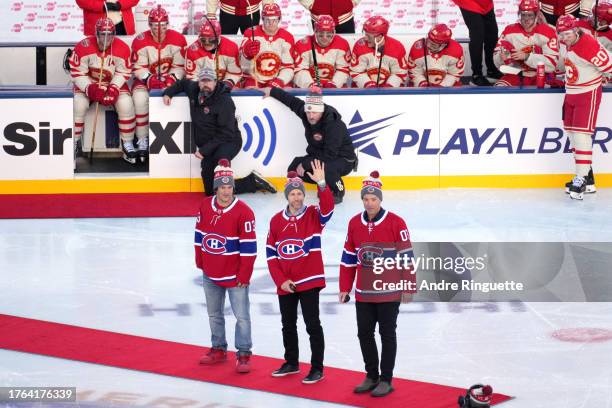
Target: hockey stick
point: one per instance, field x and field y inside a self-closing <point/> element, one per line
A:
<point x="314" y="60"/>
<point x="595" y="17"/>
<point x="252" y="39"/>
<point x="426" y="67"/>
<point x="382" y="50"/>
<point x="95" y="124"/>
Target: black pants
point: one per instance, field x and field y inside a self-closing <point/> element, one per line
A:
<point x="210" y="161"/>
<point x="120" y="29"/>
<point x="309" y="300"/>
<point x="385" y="314"/>
<point x="231" y="23"/>
<point x="483" y="32"/>
<point x="552" y="19"/>
<point x="334" y="170"/>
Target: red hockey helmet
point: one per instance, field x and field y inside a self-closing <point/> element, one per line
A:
<point x="566" y="22"/>
<point x="325" y="23"/>
<point x="271" y="10"/>
<point x="376" y="25"/>
<point x="158" y="15"/>
<point x="603" y="11"/>
<point x="529" y="5"/>
<point x="210" y="29"/>
<point x="105" y="25"/>
<point x="440" y="34"/>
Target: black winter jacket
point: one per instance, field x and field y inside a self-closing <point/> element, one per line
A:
<point x="213" y="119"/>
<point x="336" y="141"/>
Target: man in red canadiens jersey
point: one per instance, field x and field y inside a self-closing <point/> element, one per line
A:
<point x="371" y="234"/>
<point x="100" y="68"/>
<point x="211" y="50"/>
<point x="266" y="53"/>
<point x="436" y="61"/>
<point x="585" y="63"/>
<point x="225" y="251"/>
<point x="293" y="249"/>
<point x="323" y="58"/>
<point x="524" y="45"/>
<point x="378" y="60"/>
<point x="158" y="58"/>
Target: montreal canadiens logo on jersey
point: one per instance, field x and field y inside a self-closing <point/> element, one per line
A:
<point x="214" y="244"/>
<point x="367" y="254"/>
<point x="291" y="249"/>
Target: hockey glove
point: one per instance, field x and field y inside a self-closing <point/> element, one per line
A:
<point x="111" y="96"/>
<point x="370" y="84"/>
<point x="154" y="83"/>
<point x="169" y="80"/>
<point x="329" y="84"/>
<point x="251" y="49"/>
<point x="94" y="93"/>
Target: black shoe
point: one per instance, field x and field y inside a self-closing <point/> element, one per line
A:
<point x="314" y="376"/>
<point x="339" y="192"/>
<point x="479" y="80"/>
<point x="338" y="197"/>
<point x="383" y="388"/>
<point x="262" y="184"/>
<point x="366" y="386"/>
<point x="286" y="369"/>
<point x="494" y="74"/>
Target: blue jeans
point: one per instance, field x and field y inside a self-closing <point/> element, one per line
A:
<point x="215" y="304"/>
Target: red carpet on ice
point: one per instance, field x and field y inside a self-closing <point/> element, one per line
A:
<point x="181" y="360"/>
<point x="99" y="205"/>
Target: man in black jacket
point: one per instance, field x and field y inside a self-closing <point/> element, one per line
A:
<point x="327" y="137"/>
<point x="215" y="128"/>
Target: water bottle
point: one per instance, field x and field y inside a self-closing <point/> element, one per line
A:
<point x="540" y="75"/>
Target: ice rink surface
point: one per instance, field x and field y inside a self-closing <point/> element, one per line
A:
<point x="137" y="276"/>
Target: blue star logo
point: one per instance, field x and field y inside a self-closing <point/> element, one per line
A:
<point x="363" y="134"/>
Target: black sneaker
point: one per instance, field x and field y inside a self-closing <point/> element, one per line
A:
<point x="286" y="369"/>
<point x="479" y="80"/>
<point x="262" y="184"/>
<point x="494" y="74"/>
<point x="314" y="376"/>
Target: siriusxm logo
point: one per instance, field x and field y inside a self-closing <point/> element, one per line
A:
<point x="163" y="137"/>
<point x="363" y="135"/>
<point x="261" y="137"/>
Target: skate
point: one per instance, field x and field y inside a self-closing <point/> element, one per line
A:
<point x="142" y="150"/>
<point x="577" y="189"/>
<point x="129" y="153"/>
<point x="590" y="184"/>
<point x="263" y="184"/>
<point x="339" y="194"/>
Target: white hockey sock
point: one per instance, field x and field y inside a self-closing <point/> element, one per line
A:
<point x="583" y="153"/>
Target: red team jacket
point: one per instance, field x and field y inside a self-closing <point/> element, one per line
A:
<point x="93" y="10"/>
<point x="293" y="247"/>
<point x="225" y="244"/>
<point x="388" y="228"/>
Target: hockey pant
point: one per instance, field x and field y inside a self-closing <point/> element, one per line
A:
<point x="124" y="108"/>
<point x="230" y="23"/>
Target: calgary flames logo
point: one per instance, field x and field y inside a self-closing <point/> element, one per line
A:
<point x="436" y="76"/>
<point x="267" y="65"/>
<point x="326" y="71"/>
<point x="164" y="65"/>
<point x="95" y="73"/>
<point x="373" y="74"/>
<point x="571" y="72"/>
